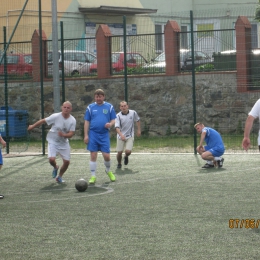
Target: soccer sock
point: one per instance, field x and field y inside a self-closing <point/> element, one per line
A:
<point x="210" y="162"/>
<point x="217" y="158"/>
<point x="107" y="164"/>
<point x="93" y="167"/>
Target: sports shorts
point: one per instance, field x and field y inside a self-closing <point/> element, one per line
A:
<point x="98" y="142"/>
<point x="1" y="158"/>
<point x="215" y="151"/>
<point x="128" y="144"/>
<point x="53" y="150"/>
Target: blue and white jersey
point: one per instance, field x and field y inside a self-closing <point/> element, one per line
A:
<point x="213" y="138"/>
<point x="99" y="115"/>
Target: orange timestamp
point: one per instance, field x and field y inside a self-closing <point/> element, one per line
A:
<point x="244" y="223"/>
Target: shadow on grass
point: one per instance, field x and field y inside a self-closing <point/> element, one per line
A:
<point x="124" y="171"/>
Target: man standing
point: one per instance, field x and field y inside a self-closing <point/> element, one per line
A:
<point x="125" y="132"/>
<point x="252" y="115"/>
<point x="3" y="143"/>
<point x="214" y="147"/>
<point x="99" y="118"/>
<point x="63" y="126"/>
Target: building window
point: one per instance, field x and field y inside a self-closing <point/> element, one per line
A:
<point x="159" y="38"/>
<point x="254" y="36"/>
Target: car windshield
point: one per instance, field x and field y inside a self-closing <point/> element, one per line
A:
<point x="28" y="59"/>
<point x="160" y="58"/>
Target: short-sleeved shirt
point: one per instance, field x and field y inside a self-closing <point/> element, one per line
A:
<point x="98" y="116"/>
<point x="125" y="122"/>
<point x="213" y="139"/>
<point x="59" y="123"/>
<point x="255" y="111"/>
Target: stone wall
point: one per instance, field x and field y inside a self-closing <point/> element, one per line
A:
<point x="163" y="103"/>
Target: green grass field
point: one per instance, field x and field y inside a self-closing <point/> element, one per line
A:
<point x="161" y="144"/>
<point x="162" y="206"/>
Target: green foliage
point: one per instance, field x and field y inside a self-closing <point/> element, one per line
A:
<point x="216" y="126"/>
<point x="206" y="68"/>
<point x="168" y="131"/>
<point x="146" y="130"/>
<point x="239" y="129"/>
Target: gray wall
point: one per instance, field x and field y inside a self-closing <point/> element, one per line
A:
<point x="162" y="102"/>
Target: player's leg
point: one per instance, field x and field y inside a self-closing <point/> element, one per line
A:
<point x="52" y="159"/>
<point x="65" y="155"/>
<point x="119" y="148"/>
<point x="128" y="149"/>
<point x="217" y="152"/>
<point x="207" y="156"/>
<point x="93" y="148"/>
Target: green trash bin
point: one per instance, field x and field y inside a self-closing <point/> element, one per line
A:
<point x="225" y="61"/>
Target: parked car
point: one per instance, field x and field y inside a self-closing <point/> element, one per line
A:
<point x="75" y="62"/>
<point x="117" y="59"/>
<point x="200" y="58"/>
<point x="18" y="65"/>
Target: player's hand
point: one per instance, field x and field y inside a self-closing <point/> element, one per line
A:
<point x="246" y="143"/>
<point x="107" y="125"/>
<point x="30" y="127"/>
<point x="86" y="139"/>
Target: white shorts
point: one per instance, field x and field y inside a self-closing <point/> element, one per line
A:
<point x="128" y="144"/>
<point x="53" y="150"/>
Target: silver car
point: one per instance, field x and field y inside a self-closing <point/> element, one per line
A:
<point x="200" y="58"/>
<point x="75" y="62"/>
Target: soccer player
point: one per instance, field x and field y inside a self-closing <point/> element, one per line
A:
<point x="99" y="118"/>
<point x="2" y="141"/>
<point x="63" y="126"/>
<point x="214" y="147"/>
<point x="252" y="115"/>
<point x="125" y="127"/>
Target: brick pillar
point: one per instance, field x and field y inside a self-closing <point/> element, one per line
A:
<point x="36" y="56"/>
<point x="172" y="46"/>
<point x="103" y="51"/>
<point x="243" y="47"/>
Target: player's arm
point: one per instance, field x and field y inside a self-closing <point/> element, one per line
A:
<point x="2" y="141"/>
<point x="110" y="124"/>
<point x="67" y="135"/>
<point x="38" y="123"/>
<point x="120" y="133"/>
<point x="86" y="129"/>
<point x="202" y="138"/>
<point x="138" y="124"/>
<point x="248" y="126"/>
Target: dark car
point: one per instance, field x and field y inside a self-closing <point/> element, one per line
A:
<point x="18" y="65"/>
<point x="133" y="60"/>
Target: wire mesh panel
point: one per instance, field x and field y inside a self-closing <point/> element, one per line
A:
<point x="79" y="57"/>
<point x="141" y="52"/>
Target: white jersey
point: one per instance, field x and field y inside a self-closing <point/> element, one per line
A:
<point x="59" y="123"/>
<point x="255" y="111"/>
<point x="125" y="122"/>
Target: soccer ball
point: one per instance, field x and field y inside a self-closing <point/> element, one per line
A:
<point x="81" y="185"/>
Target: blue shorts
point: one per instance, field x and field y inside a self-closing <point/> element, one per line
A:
<point x="1" y="158"/>
<point x="98" y="142"/>
<point x="215" y="151"/>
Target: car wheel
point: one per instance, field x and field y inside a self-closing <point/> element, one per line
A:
<point x="75" y="73"/>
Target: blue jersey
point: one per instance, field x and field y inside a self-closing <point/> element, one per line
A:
<point x="98" y="116"/>
<point x="213" y="138"/>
